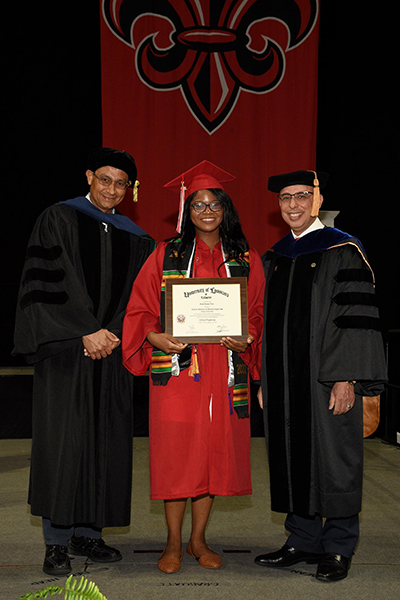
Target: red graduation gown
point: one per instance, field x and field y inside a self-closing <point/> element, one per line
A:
<point x="196" y="445"/>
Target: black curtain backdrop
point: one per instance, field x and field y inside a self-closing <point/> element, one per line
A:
<point x="357" y="134"/>
<point x="52" y="118"/>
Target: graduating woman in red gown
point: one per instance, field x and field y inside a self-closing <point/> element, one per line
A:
<point x="199" y="426"/>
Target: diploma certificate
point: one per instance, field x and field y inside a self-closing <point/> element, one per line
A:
<point x="206" y="309"/>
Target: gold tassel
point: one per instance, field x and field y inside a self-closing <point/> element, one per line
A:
<point x="135" y="190"/>
<point x="194" y="370"/>
<point x="316" y="196"/>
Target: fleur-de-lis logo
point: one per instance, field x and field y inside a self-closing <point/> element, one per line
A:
<point x="211" y="49"/>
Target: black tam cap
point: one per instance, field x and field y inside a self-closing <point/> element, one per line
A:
<point x="108" y="157"/>
<point x="277" y="182"/>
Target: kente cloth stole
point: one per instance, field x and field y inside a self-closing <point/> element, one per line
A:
<point x="165" y="365"/>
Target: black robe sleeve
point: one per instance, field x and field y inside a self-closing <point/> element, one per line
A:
<point x="352" y="345"/>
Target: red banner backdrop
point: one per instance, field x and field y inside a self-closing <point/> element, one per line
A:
<point x="230" y="81"/>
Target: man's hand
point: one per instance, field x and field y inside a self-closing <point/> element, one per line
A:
<point x="342" y="398"/>
<point x="165" y="342"/>
<point x="100" y="344"/>
<point x="236" y="346"/>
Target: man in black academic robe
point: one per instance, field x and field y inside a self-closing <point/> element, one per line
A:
<point x="322" y="352"/>
<point x="81" y="262"/>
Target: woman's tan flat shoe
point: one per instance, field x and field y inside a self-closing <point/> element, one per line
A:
<point x="169" y="565"/>
<point x="208" y="561"/>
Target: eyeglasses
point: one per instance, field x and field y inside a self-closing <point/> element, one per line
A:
<point x="200" y="207"/>
<point x="107" y="181"/>
<point x="284" y="198"/>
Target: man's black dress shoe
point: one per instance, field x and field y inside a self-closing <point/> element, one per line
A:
<point x="95" y="549"/>
<point x="333" y="567"/>
<point x="56" y="560"/>
<point x="286" y="557"/>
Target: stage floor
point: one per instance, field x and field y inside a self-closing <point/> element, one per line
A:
<point x="239" y="529"/>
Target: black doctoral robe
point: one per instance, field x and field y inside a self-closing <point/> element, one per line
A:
<point x="321" y="326"/>
<point x="77" y="279"/>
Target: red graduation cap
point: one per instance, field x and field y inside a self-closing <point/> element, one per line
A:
<point x="202" y="176"/>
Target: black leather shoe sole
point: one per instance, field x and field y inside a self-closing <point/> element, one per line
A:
<point x="331" y="578"/>
<point x="108" y="559"/>
<point x="50" y="570"/>
<point x="287" y="563"/>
